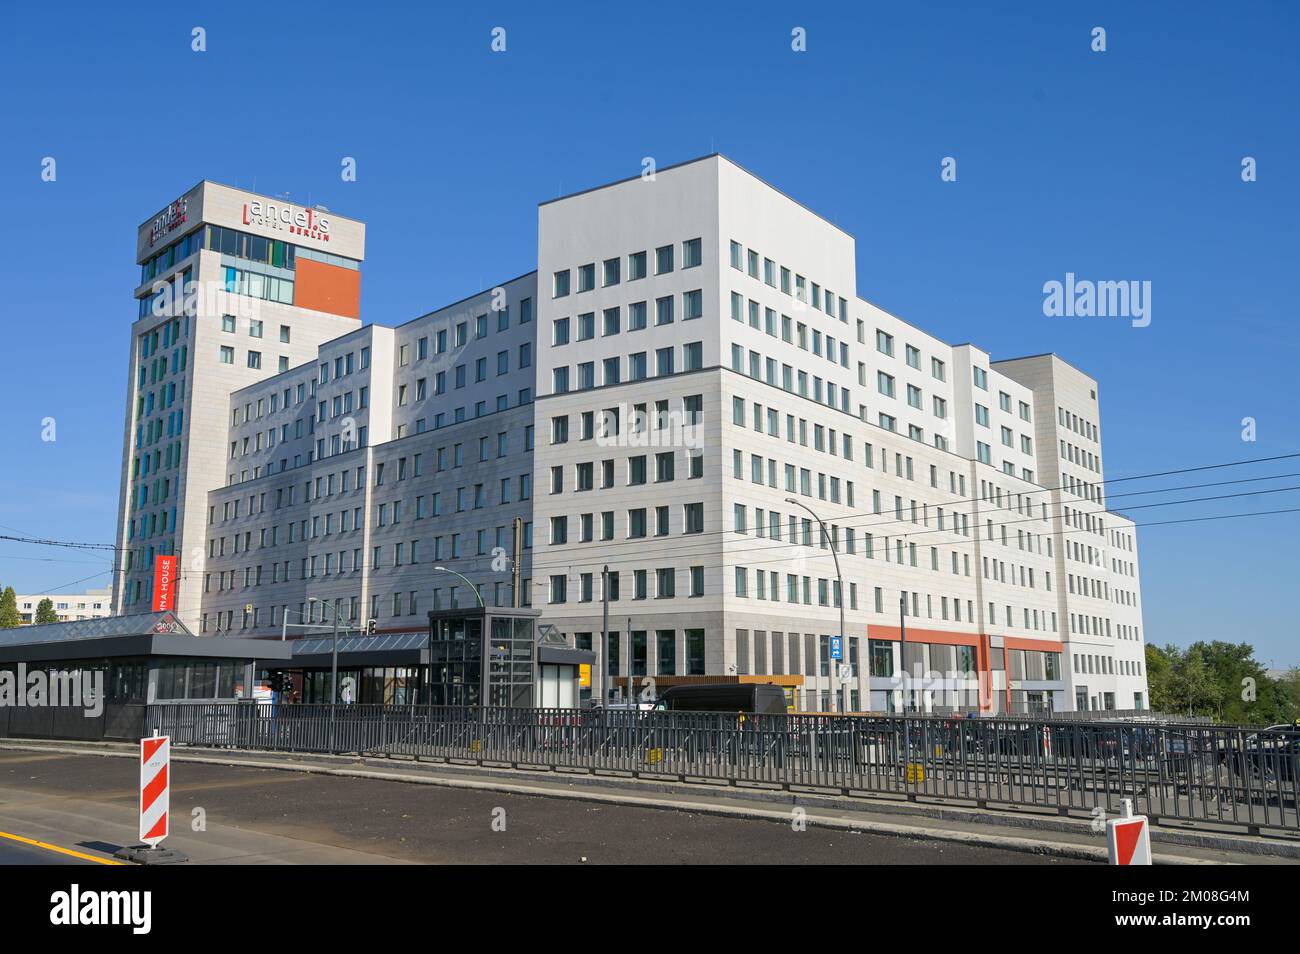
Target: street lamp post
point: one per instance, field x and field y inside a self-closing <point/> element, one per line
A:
<point x="604" y="634"/>
<point x="840" y="578"/>
<point x="285" y="624"/>
<point x="902" y="659"/>
<point x="472" y="587"/>
<point x="334" y="649"/>
<point x="334" y="660"/>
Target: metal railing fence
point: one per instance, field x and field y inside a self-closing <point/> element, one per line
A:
<point x="1220" y="775"/>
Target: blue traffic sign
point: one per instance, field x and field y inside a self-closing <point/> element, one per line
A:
<point x="837" y="647"/>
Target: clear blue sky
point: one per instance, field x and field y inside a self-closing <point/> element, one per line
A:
<point x="1120" y="165"/>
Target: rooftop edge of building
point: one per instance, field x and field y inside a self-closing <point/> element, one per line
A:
<point x="688" y="162"/>
<point x="374" y="324"/>
<point x="1048" y="354"/>
<point x="261" y="195"/>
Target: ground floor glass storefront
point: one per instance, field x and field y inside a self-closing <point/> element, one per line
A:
<point x="124" y="680"/>
<point x="368" y="685"/>
<point x="199" y="679"/>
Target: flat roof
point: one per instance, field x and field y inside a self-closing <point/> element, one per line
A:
<point x="1049" y="354"/>
<point x="689" y="162"/>
<point x="260" y="195"/>
<point x="139" y="634"/>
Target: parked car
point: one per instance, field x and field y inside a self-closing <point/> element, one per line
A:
<point x="1272" y="756"/>
<point x="745" y="697"/>
<point x="622" y="705"/>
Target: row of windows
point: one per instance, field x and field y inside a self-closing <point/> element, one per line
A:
<point x="766" y="585"/>
<point x="1084" y="489"/>
<point x="167" y="298"/>
<point x="774" y="276"/>
<point x="1077" y="455"/>
<point x="460" y="333"/>
<point x="349" y="479"/>
<point x="237" y="244"/>
<point x="635" y="472"/>
<point x="663" y="651"/>
<point x="791" y="380"/>
<point x="1105" y="665"/>
<point x="460" y="377"/>
<point x="640" y="422"/>
<point x="611" y="268"/>
<point x="825" y="440"/>
<point x="348" y="608"/>
<point x="410" y="552"/>
<point x="642" y="522"/>
<point x="659" y="583"/>
<point x="252" y="359"/>
<point x="344" y="365"/>
<point x="1079" y="425"/>
<point x="251" y="284"/>
<point x="340" y="406"/>
<point x="637" y="368"/>
<point x="583" y="327"/>
<point x="791" y="332"/>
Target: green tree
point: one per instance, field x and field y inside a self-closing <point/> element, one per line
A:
<point x="1222" y="680"/>
<point x="1193" y="686"/>
<point x="1159" y="665"/>
<point x="45" y="611"/>
<point x="1247" y="694"/>
<point x="1181" y="682"/>
<point x="1289" y="687"/>
<point x="9" y="617"/>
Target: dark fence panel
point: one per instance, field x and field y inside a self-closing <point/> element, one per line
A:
<point x="117" y="721"/>
<point x="31" y="722"/>
<point x="124" y="720"/>
<point x="1221" y="774"/>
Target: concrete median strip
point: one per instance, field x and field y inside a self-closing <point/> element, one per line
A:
<point x="849" y="821"/>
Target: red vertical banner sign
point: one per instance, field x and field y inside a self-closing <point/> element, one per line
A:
<point x="164" y="583"/>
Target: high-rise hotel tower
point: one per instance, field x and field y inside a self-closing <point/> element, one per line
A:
<point x="234" y="288"/>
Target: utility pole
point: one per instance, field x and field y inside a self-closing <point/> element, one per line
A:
<point x="604" y="630"/>
<point x="334" y="672"/>
<point x="902" y="659"/>
<point x="516" y="572"/>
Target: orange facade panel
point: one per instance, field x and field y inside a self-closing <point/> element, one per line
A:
<point x="1038" y="645"/>
<point x="328" y="288"/>
<point x="914" y="635"/>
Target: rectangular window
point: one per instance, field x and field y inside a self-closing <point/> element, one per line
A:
<point x="663" y="260"/>
<point x="636" y="266"/>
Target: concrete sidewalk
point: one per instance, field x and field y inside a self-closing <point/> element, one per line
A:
<point x="1008" y="830"/>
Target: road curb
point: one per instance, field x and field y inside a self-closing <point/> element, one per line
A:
<point x="813" y="817"/>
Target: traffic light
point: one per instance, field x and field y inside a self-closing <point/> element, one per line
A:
<point x="370" y="627"/>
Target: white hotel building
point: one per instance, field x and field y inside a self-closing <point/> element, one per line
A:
<point x="689" y="357"/>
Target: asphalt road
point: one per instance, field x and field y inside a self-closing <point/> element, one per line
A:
<point x="285" y="812"/>
<point x="17" y="853"/>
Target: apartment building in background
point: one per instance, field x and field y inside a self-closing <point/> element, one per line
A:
<point x="92" y="604"/>
<point x="666" y="412"/>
